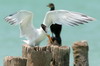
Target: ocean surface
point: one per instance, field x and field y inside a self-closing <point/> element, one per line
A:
<point x="11" y="43"/>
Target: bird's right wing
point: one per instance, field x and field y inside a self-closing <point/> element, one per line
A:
<point x="65" y="17"/>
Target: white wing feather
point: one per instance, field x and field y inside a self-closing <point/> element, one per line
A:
<point x="66" y="17"/>
<point x="24" y="20"/>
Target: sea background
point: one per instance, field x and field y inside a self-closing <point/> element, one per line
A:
<point x="11" y="43"/>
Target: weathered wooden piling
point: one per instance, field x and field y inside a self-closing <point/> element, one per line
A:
<point x="51" y="55"/>
<point x="14" y="61"/>
<point x="80" y="51"/>
<point x="60" y="55"/>
<point x="36" y="56"/>
<point x="46" y="56"/>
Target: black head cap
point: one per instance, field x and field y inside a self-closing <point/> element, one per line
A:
<point x="50" y="5"/>
<point x="43" y="27"/>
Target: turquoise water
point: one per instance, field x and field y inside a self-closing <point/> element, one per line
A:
<point x="10" y="43"/>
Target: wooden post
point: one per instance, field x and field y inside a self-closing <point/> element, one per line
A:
<point x="25" y="50"/>
<point x="60" y="55"/>
<point x="46" y="56"/>
<point x="80" y="51"/>
<point x="14" y="61"/>
<point x="36" y="56"/>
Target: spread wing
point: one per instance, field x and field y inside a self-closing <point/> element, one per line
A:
<point x="66" y="17"/>
<point x="24" y="20"/>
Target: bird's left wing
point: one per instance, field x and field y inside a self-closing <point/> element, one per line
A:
<point x="66" y="17"/>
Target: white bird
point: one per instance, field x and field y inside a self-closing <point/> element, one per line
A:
<point x="35" y="36"/>
<point x="24" y="19"/>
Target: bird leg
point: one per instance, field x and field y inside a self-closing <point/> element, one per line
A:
<point x="50" y="39"/>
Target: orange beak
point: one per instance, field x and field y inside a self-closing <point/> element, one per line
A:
<point x="50" y="39"/>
